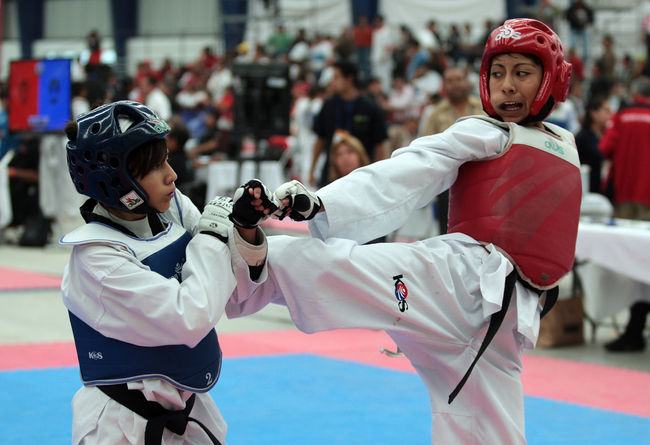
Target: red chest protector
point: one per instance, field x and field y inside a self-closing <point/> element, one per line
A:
<point x="526" y="202"/>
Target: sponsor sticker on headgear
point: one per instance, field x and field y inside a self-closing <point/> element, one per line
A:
<point x="131" y="200"/>
<point x="159" y="126"/>
<point x="506" y="32"/>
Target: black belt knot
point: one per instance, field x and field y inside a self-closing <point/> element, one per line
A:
<point x="175" y="421"/>
<point x="158" y="418"/>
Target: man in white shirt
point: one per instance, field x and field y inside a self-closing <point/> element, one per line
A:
<point x="381" y="53"/>
<point x="154" y="98"/>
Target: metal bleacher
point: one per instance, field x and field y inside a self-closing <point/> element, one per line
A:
<point x="622" y="19"/>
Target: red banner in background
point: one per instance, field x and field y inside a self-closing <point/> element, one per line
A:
<point x="23" y="93"/>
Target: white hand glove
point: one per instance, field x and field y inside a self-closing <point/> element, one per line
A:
<point x="243" y="212"/>
<point x="303" y="203"/>
<point x="215" y="219"/>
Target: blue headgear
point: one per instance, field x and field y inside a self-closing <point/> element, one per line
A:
<point x="97" y="159"/>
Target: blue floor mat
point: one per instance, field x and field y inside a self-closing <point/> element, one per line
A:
<point x="305" y="399"/>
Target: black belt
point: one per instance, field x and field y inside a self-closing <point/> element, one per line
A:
<point x="158" y="418"/>
<point x="497" y="318"/>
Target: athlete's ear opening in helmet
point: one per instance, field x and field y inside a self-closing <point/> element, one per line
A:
<point x="127" y="116"/>
<point x="125" y="122"/>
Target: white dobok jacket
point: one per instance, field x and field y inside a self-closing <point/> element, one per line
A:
<point x="114" y="293"/>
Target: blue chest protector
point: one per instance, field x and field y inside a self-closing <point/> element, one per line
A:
<point x="104" y="360"/>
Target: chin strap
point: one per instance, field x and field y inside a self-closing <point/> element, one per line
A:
<point x="155" y="223"/>
<point x="87" y="214"/>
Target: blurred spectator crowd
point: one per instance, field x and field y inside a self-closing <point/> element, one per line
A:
<point x="400" y="71"/>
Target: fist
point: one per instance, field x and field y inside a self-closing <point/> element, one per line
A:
<point x="302" y="203"/>
<point x="252" y="204"/>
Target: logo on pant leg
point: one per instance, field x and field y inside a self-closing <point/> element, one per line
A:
<point x="401" y="292"/>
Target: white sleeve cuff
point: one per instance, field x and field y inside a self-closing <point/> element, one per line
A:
<point x="319" y="226"/>
<point x="253" y="255"/>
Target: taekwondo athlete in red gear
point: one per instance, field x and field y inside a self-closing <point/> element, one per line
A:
<point x="147" y="281"/>
<point x="473" y="295"/>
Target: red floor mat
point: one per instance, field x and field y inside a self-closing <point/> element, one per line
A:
<point x="16" y="279"/>
<point x="606" y="387"/>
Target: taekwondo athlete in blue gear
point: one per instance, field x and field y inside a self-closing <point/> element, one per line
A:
<point x="147" y="281"/>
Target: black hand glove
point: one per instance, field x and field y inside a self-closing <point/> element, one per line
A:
<point x="243" y="213"/>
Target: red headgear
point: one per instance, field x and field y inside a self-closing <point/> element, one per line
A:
<point x="528" y="36"/>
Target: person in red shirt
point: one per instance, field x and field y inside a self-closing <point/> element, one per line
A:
<point x="626" y="143"/>
<point x="94" y="45"/>
<point x="578" y="65"/>
<point x="363" y="42"/>
<point x="208" y="60"/>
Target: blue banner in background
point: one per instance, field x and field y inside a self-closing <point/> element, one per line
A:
<point x="233" y="16"/>
<point x="54" y="89"/>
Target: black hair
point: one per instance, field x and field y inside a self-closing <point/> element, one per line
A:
<point x="532" y="57"/>
<point x="348" y="69"/>
<point x="76" y="88"/>
<point x="179" y="133"/>
<point x="594" y="103"/>
<point x="146" y="157"/>
<point x="71" y="130"/>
